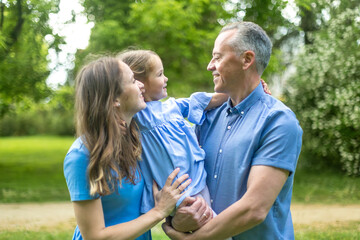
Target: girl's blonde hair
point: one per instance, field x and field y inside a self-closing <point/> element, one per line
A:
<point x="141" y="62"/>
<point x="114" y="151"/>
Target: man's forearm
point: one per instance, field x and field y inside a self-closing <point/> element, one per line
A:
<point x="237" y="218"/>
<point x="264" y="185"/>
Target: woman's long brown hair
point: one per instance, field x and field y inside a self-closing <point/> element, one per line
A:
<point x="114" y="151"/>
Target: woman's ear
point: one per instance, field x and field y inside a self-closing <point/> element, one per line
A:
<point x="248" y="59"/>
<point x="117" y="103"/>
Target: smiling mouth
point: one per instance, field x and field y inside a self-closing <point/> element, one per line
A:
<point x="215" y="76"/>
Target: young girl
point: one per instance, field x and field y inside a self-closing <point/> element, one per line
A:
<point x="168" y="140"/>
<point x="101" y="167"/>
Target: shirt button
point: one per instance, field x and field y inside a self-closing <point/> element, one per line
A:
<point x="242" y="112"/>
<point x="228" y="127"/>
<point x="211" y="200"/>
<point x="215" y="176"/>
<point x="220" y="151"/>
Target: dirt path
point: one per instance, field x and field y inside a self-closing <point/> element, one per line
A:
<point x="34" y="216"/>
<point x="47" y="215"/>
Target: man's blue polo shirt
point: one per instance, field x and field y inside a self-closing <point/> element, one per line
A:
<point x="260" y="130"/>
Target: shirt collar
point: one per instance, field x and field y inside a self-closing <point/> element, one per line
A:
<point x="246" y="104"/>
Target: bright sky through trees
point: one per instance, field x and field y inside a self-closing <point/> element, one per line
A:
<point x="76" y="36"/>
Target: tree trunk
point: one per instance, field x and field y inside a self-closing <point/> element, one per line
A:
<point x="308" y="23"/>
<point x="15" y="33"/>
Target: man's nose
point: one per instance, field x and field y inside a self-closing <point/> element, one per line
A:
<point x="211" y="66"/>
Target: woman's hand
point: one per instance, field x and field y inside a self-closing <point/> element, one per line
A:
<point x="165" y="200"/>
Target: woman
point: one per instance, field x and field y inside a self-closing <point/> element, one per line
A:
<point x="101" y="167"/>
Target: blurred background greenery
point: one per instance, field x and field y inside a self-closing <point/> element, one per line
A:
<point x="314" y="67"/>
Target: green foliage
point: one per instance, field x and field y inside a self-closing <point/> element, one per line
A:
<point x="326" y="95"/>
<point x="182" y="32"/>
<point x="54" y="116"/>
<point x="23" y="51"/>
<point x="316" y="14"/>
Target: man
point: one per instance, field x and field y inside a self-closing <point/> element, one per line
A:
<point x="252" y="144"/>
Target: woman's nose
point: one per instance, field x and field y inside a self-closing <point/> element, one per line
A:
<point x="140" y="84"/>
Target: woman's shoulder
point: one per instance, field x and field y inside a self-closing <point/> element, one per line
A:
<point x="77" y="154"/>
<point x="78" y="145"/>
<point x="75" y="171"/>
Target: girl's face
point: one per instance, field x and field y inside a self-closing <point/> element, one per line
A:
<point x="131" y="99"/>
<point x="155" y="84"/>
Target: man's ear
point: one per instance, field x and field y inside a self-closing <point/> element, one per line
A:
<point x="248" y="59"/>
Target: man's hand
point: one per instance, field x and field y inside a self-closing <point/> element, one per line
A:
<point x="191" y="214"/>
<point x="172" y="233"/>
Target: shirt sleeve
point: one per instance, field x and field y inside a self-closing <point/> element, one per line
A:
<point x="75" y="172"/>
<point x="280" y="143"/>
<point x="193" y="108"/>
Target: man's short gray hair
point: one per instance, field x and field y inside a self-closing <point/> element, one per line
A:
<point x="250" y="36"/>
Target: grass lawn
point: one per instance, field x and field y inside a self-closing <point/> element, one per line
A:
<point x="338" y="231"/>
<point x="31" y="169"/>
<point x="39" y="235"/>
<point x="326" y="188"/>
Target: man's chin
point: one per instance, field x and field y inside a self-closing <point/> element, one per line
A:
<point x="218" y="89"/>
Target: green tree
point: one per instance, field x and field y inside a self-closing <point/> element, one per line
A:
<point x="23" y="50"/>
<point x="54" y="116"/>
<point x="315" y="15"/>
<point x="326" y="94"/>
<point x="182" y="32"/>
